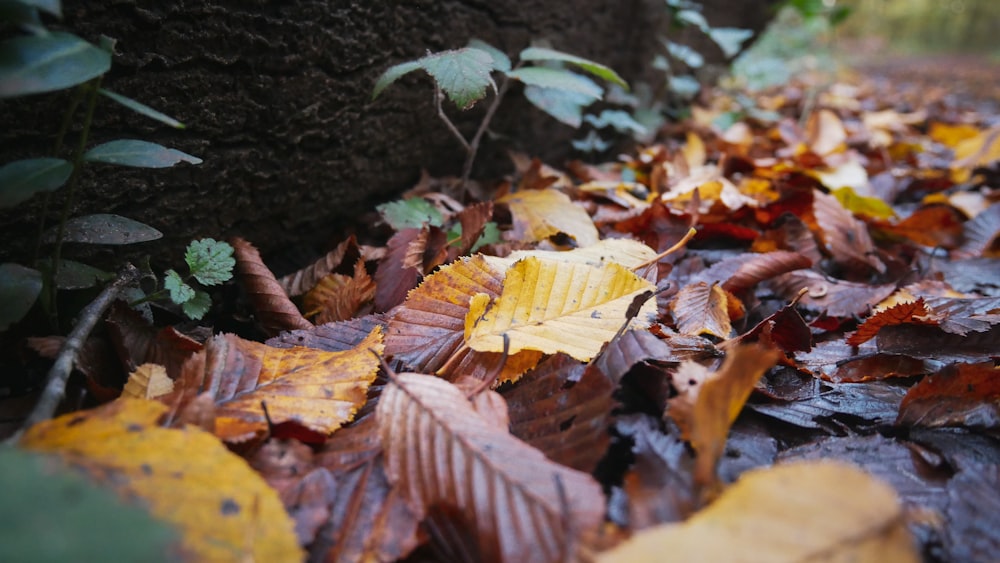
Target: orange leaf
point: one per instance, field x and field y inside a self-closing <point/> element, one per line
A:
<point x="897" y="314"/>
<point x="441" y="452"/>
<point x="274" y="309"/>
<point x="932" y="225"/>
<point x="961" y="395"/>
<point x="297" y="283"/>
<point x="224" y="510"/>
<point x="709" y="409"/>
<point x="315" y="389"/>
<point x="338" y="297"/>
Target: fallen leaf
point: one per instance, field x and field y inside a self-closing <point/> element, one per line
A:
<point x="846" y="238"/>
<point x="337" y="297"/>
<point x="301" y="281"/>
<point x="224" y="510"/>
<point x="274" y="310"/>
<point x="793" y="512"/>
<point x="440" y="451"/>
<point x="911" y="312"/>
<point x="541" y="214"/>
<point x="148" y="381"/>
<point x="700" y="308"/>
<point x="557" y="307"/>
<point x="960" y="395"/>
<point x="392" y="279"/>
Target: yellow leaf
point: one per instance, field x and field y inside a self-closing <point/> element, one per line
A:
<point x="825" y="132"/>
<point x="848" y="174"/>
<point x="870" y="206"/>
<point x="626" y="252"/>
<point x="819" y="511"/>
<point x="694" y="151"/>
<point x="558" y="307"/>
<point x="148" y="381"/>
<point x="951" y="135"/>
<point x="981" y="150"/>
<point x="224" y="510"/>
<point x="540" y="214"/>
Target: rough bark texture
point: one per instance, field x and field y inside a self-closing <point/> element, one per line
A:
<point x="277" y="97"/>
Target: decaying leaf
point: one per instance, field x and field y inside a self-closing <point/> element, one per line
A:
<point x="541" y="214"/>
<point x="701" y="308"/>
<point x="317" y="390"/>
<point x="148" y="381"/>
<point x="557" y="307"/>
<point x="297" y="283"/>
<point x="274" y="309"/>
<point x="960" y="395"/>
<point x="440" y="451"/>
<point x="911" y="312"/>
<point x="224" y="510"/>
<point x="337" y="297"/>
<point x="846" y="238"/>
<point x="819" y="511"/>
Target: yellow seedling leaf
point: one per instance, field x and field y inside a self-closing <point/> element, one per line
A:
<point x="148" y="381"/>
<point x="707" y="410"/>
<point x="540" y="214"/>
<point x="224" y="510"/>
<point x="796" y="512"/>
<point x="558" y="307"/>
<point x="862" y="205"/>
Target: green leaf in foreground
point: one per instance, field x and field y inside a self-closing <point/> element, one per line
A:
<point x="21" y="179"/>
<point x="501" y="61"/>
<point x="50" y="514"/>
<point x="140" y="154"/>
<point x="142" y="108"/>
<point x="410" y="213"/>
<point x="43" y="63"/>
<point x="19" y="287"/>
<point x="596" y="69"/>
<point x="180" y="292"/>
<point x="105" y="228"/>
<point x="211" y="261"/>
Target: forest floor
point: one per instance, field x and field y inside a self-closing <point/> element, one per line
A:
<point x="786" y="320"/>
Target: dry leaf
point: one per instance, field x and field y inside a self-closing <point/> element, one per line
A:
<point x="541" y="214"/>
<point x="796" y="512"/>
<point x="298" y="283"/>
<point x="441" y="452"/>
<point x="274" y="309"/>
<point x="224" y="510"/>
<point x="557" y="307"/>
<point x="700" y="308"/>
<point x="148" y="381"/>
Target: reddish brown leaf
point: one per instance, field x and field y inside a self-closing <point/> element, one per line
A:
<point x="440" y="451"/>
<point x="629" y="349"/>
<point x="333" y="337"/>
<point x="701" y="308"/>
<point x="659" y="484"/>
<point x="369" y="520"/>
<point x="960" y="395"/>
<point x="789" y="234"/>
<point x="760" y="267"/>
<point x="139" y="343"/>
<point x="392" y="278"/>
<point x="473" y="220"/>
<point x="836" y="298"/>
<point x="275" y="311"/>
<point x="785" y="329"/>
<point x="933" y="225"/>
<point x="898" y="314"/>
<point x="338" y="297"/>
<point x="562" y="408"/>
<point x="297" y="283"/>
<point x="840" y="362"/>
<point x="846" y="238"/>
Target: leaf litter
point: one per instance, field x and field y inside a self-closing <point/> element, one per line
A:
<point x="561" y="371"/>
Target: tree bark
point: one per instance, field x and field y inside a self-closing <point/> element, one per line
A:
<point x="277" y="98"/>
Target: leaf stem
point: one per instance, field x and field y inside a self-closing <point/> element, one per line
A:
<point x="473" y="148"/>
<point x="438" y="102"/>
<point x="687" y="236"/>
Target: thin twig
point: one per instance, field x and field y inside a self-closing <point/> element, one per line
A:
<point x="438" y="102"/>
<point x="687" y="236"/>
<point x="55" y="387"/>
<point x="470" y="155"/>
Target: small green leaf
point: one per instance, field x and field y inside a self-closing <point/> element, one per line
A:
<point x="43" y="63"/>
<point x="76" y="275"/>
<point x="211" y="261"/>
<point x="463" y="74"/>
<point x="591" y="143"/>
<point x="563" y="105"/>
<point x="140" y="154"/>
<point x="501" y="61"/>
<point x="596" y="69"/>
<point x="196" y="307"/>
<point x="142" y="108"/>
<point x="684" y="86"/>
<point x="620" y="120"/>
<point x="730" y="39"/>
<point x="491" y="235"/>
<point x="863" y="205"/>
<point x="21" y="179"/>
<point x="104" y="228"/>
<point x="180" y="292"/>
<point x="19" y="287"/>
<point x="685" y="54"/>
<point x="558" y="79"/>
<point x="410" y="213"/>
<point x="393" y="74"/>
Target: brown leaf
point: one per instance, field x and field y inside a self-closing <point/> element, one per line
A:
<point x="700" y="308"/>
<point x="846" y="238"/>
<point x="140" y="343"/>
<point x="825" y="132"/>
<point x="629" y="349"/>
<point x="911" y="312"/>
<point x="440" y="451"/>
<point x="785" y="329"/>
<point x="338" y="297"/>
<point x="658" y="484"/>
<point x="473" y="220"/>
<point x="297" y="283"/>
<point x="933" y="225"/>
<point x="960" y="395"/>
<point x="981" y="234"/>
<point x="836" y="298"/>
<point x="275" y="311"/>
<point x="760" y="267"/>
<point x="562" y="408"/>
<point x="317" y="390"/>
<point x="392" y="278"/>
<point x="333" y="337"/>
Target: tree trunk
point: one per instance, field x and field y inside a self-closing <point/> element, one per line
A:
<point x="277" y="98"/>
